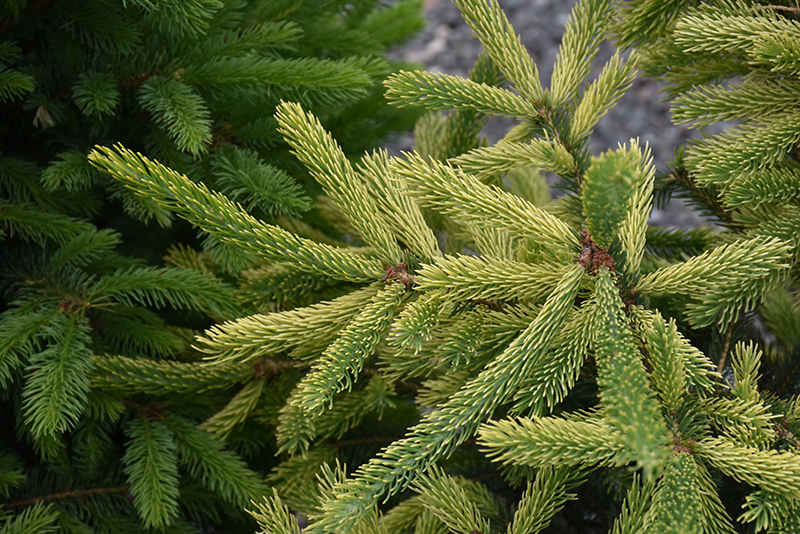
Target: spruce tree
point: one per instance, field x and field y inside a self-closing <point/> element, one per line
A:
<point x="559" y="364"/>
<point x="557" y="351"/>
<point x="110" y="421"/>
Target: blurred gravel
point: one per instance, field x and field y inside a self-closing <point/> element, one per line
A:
<point x="447" y="45"/>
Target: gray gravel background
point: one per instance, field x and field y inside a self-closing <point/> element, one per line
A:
<point x="447" y="45"/>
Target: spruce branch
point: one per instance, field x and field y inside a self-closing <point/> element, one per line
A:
<point x="676" y="504"/>
<point x="746" y="364"/>
<point x="492" y="242"/>
<point x="461" y="344"/>
<point x="714" y="31"/>
<point x="769" y="511"/>
<point x="72" y="171"/>
<point x="748" y="420"/>
<point x="177" y="108"/>
<point x="586" y="28"/>
<point x="166" y="286"/>
<point x="138" y="375"/>
<point x="409" y="515"/>
<point x="439" y="91"/>
<point x="633" y="232"/>
<point x="460" y="195"/>
<point x="487" y="278"/>
<point x="243" y="177"/>
<point x="721" y="159"/>
<point x="669" y="373"/>
<point x="715" y="517"/>
<point x="554" y="375"/>
<point x="96" y="93"/>
<point x="151" y="465"/>
<point x="296" y="429"/>
<point x="226" y="221"/>
<point x="187" y="21"/>
<point x="219" y="470"/>
<point x="544" y="498"/>
<point x="608" y="185"/>
<point x="399" y="211"/>
<point x="780" y="51"/>
<point x="647" y="20"/>
<point x="628" y="402"/>
<point x="699" y="369"/>
<point x="633" y="517"/>
<point x="445" y="498"/>
<point x="490" y="25"/>
<point x="752" y="466"/>
<point x="324" y="158"/>
<point x="414" y="324"/>
<point x="779" y="220"/>
<point x="14" y="84"/>
<point x="341" y="362"/>
<point x="735" y="101"/>
<point x="19" y="329"/>
<point x="84" y="248"/>
<point x="36" y="519"/>
<point x="486" y="163"/>
<point x="34" y="224"/>
<point x="552" y="442"/>
<point x="282" y="286"/>
<point x="721" y="281"/>
<point x="601" y="95"/>
<point x="273" y="516"/>
<point x="135" y="330"/>
<point x="56" y="390"/>
<point x="442" y="430"/>
<point x="312" y="82"/>
<point x="236" y="411"/>
<point x="306" y="328"/>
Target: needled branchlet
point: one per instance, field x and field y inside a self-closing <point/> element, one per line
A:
<point x="608" y="185"/>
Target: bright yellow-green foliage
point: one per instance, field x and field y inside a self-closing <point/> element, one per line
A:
<point x="563" y="338"/>
<point x="608" y="185"/>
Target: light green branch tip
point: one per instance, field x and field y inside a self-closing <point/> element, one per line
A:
<point x="608" y="185"/>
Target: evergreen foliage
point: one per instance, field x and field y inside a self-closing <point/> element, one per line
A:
<point x="110" y="421"/>
<point x="566" y="355"/>
<point x="489" y="359"/>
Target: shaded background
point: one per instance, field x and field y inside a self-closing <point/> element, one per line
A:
<point x="447" y="45"/>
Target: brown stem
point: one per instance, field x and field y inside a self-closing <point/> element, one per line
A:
<point x="78" y="493"/>
<point x="725" y="348"/>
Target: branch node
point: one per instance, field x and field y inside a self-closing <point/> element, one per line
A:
<point x="593" y="257"/>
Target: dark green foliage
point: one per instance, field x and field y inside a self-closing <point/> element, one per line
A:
<point x="109" y="420"/>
